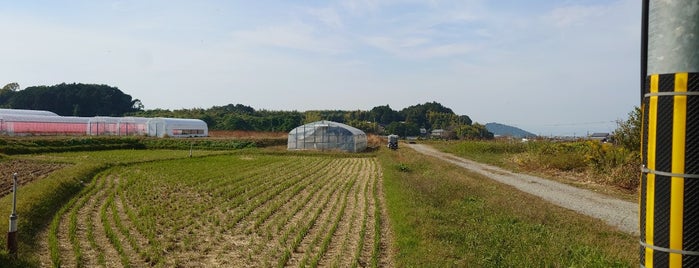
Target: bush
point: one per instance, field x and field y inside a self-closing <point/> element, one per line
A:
<point x="626" y="175"/>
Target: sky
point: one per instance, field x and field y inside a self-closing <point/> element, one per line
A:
<point x="551" y="67"/>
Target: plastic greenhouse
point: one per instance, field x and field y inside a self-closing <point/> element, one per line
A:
<point x="26" y="112"/>
<point x="327" y="135"/>
<point x="177" y="127"/>
<point x="28" y="122"/>
<point x="118" y="126"/>
<point x="22" y="125"/>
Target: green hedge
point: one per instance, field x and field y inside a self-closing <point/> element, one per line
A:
<point x="32" y="145"/>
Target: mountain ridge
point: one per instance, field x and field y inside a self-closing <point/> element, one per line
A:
<point x="505" y="130"/>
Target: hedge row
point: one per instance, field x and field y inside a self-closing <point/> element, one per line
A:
<point x="31" y="145"/>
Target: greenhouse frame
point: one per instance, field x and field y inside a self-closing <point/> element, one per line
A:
<point x="327" y="135"/>
<point x="39" y="123"/>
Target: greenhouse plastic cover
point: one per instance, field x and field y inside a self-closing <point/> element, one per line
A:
<point x="26" y="112"/>
<point x="29" y="122"/>
<point x="327" y="135"/>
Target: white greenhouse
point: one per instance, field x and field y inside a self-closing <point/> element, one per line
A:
<point x="177" y="127"/>
<point x="327" y="135"/>
<point x="31" y="123"/>
<point x="26" y="112"/>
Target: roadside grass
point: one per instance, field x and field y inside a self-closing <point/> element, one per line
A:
<point x="444" y="216"/>
<point x="489" y="152"/>
<point x="37" y="203"/>
<point x="588" y="164"/>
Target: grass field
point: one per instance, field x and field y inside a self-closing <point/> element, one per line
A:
<point x="137" y="208"/>
<point x="445" y="216"/>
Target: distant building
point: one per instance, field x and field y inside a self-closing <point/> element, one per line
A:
<point x="438" y="133"/>
<point x="601" y="136"/>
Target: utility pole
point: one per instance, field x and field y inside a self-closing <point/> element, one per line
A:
<point x="669" y="194"/>
<point x="12" y="234"/>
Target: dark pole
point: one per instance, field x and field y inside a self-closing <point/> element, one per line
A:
<point x="644" y="46"/>
<point x="669" y="192"/>
<point x="12" y="234"/>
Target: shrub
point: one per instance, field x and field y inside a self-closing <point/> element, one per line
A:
<point x="626" y="175"/>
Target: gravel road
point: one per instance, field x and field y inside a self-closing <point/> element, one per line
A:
<point x="615" y="212"/>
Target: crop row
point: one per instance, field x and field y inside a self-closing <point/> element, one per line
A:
<point x="235" y="210"/>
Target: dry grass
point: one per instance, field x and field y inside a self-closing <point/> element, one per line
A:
<point x="375" y="141"/>
<point x="600" y="167"/>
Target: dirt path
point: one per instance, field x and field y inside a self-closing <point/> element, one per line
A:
<point x="615" y="212"/>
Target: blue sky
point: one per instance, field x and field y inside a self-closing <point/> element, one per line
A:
<point x="550" y="67"/>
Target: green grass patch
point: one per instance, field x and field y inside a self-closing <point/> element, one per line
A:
<point x="491" y="152"/>
<point x="34" y="145"/>
<point x="444" y="216"/>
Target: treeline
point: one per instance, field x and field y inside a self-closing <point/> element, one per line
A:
<point x="70" y="99"/>
<point x="379" y="120"/>
<point x="102" y="100"/>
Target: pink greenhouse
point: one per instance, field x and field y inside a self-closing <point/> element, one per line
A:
<point x="40" y="123"/>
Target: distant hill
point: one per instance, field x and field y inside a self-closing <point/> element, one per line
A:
<point x="505" y="130"/>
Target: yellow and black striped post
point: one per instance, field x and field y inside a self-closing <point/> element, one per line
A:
<point x="669" y="194"/>
<point x="670" y="186"/>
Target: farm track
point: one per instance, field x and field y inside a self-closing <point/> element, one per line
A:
<point x="615" y="212"/>
<point x="283" y="211"/>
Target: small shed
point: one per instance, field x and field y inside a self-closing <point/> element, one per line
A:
<point x="327" y="135"/>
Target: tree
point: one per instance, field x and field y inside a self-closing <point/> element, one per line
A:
<point x="418" y="114"/>
<point x="137" y="105"/>
<point x="628" y="133"/>
<point x="7" y="92"/>
<point x="384" y="115"/>
<point x="73" y="99"/>
<point x="366" y="126"/>
<point x="465" y="120"/>
<point x="403" y="129"/>
<point x="311" y="116"/>
<point x="475" y="131"/>
<point x="11" y="87"/>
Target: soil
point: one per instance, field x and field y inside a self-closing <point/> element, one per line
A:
<point x="27" y="172"/>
